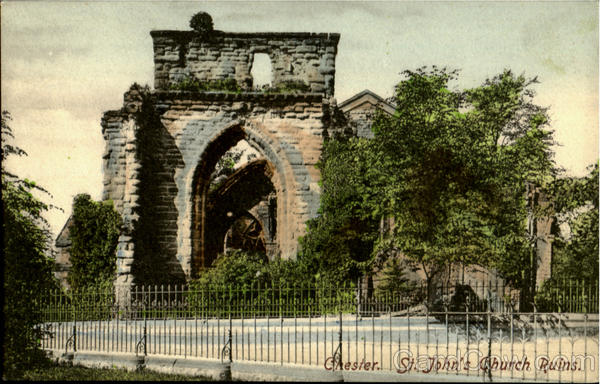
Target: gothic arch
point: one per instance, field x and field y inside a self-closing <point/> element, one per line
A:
<point x="272" y="166"/>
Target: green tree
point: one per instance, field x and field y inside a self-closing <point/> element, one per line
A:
<point x="394" y="280"/>
<point x="94" y="235"/>
<point x="27" y="266"/>
<point x="576" y="251"/>
<point x="456" y="168"/>
<point x="338" y="245"/>
<point x="421" y="178"/>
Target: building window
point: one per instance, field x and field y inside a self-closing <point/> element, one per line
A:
<point x="262" y="71"/>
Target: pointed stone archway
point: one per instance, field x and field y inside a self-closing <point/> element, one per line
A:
<point x="215" y="211"/>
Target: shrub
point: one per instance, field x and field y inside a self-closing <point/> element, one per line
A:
<point x="202" y="22"/>
<point x="27" y="267"/>
<point x="242" y="281"/>
<point x="94" y="234"/>
<point x="236" y="269"/>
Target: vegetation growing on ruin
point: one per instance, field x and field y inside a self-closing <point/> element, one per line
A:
<point x="285" y="87"/>
<point x="94" y="234"/>
<point x="27" y="265"/>
<point x="226" y="166"/>
<point x="202" y="23"/>
<point x="339" y="243"/>
<point x="192" y="84"/>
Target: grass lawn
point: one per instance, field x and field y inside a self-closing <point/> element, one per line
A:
<point x="78" y="373"/>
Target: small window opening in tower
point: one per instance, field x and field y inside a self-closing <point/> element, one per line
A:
<point x="261" y="72"/>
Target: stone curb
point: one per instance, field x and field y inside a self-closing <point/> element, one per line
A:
<point x="246" y="371"/>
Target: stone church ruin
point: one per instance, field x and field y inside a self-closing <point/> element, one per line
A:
<point x="163" y="146"/>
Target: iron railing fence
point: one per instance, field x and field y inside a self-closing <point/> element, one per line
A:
<point x="304" y="300"/>
<point x="500" y="345"/>
<point x="578" y="296"/>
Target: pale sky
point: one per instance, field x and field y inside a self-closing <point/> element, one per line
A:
<point x="65" y="63"/>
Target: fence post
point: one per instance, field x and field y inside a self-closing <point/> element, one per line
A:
<point x="534" y="339"/>
<point x="225" y="374"/>
<point x="489" y="335"/>
<point x="141" y="344"/>
<point x="71" y="342"/>
<point x="585" y="318"/>
<point x="358" y="296"/>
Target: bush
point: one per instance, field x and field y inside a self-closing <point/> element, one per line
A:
<point x="94" y="235"/>
<point x="244" y="282"/>
<point x="234" y="269"/>
<point x="239" y="269"/>
<point x="202" y="22"/>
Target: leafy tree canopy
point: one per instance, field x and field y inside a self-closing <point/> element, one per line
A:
<point x="451" y="167"/>
<point x="454" y="170"/>
<point x="339" y="242"/>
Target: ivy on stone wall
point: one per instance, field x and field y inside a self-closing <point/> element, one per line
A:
<point x="285" y="87"/>
<point x="94" y="235"/>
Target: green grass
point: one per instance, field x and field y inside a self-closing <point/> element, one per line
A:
<point x="78" y="373"/>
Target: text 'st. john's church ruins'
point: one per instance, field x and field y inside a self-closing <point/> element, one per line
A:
<point x="163" y="145"/>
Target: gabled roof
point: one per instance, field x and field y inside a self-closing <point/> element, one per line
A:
<point x="63" y="239"/>
<point x="366" y="97"/>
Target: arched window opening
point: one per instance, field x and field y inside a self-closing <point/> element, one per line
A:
<point x="233" y="212"/>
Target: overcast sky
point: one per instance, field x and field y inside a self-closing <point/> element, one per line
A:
<point x="64" y="63"/>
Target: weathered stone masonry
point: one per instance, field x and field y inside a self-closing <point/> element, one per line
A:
<point x="305" y="57"/>
<point x="162" y="146"/>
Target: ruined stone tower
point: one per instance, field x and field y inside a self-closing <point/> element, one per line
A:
<point x="163" y="144"/>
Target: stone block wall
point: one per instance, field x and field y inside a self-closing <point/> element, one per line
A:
<point x="305" y="57"/>
<point x="163" y="144"/>
<point x="155" y="146"/>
